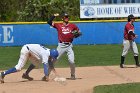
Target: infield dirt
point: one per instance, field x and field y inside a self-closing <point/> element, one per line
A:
<point x="87" y="78"/>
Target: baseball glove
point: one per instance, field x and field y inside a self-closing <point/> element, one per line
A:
<point x="76" y="33"/>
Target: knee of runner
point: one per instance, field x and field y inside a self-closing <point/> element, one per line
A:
<point x="18" y="69"/>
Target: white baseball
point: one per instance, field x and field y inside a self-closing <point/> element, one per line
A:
<point x="56" y="14"/>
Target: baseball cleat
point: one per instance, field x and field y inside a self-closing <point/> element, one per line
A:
<point x="73" y="77"/>
<point x="45" y="78"/>
<point x="137" y="65"/>
<point x="2" y="77"/>
<point x="25" y="76"/>
<point x="121" y="65"/>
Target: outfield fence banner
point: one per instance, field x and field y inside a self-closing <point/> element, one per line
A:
<point x="109" y="10"/>
<point x="20" y="34"/>
<point x="92" y="33"/>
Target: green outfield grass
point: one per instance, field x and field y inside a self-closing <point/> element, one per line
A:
<point x="85" y="55"/>
<point x="118" y="88"/>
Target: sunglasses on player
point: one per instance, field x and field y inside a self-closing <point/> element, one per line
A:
<point x="65" y="17"/>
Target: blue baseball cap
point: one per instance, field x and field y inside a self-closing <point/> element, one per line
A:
<point x="54" y="53"/>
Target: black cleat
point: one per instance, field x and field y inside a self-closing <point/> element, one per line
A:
<point x="2" y="77"/>
<point x="45" y="78"/>
<point x="73" y="77"/>
<point x="137" y="65"/>
<point x="25" y="76"/>
<point x="121" y="65"/>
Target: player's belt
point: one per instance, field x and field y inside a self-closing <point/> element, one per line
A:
<point x="27" y="47"/>
<point x="67" y="43"/>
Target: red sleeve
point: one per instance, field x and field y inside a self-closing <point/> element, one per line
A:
<point x="129" y="28"/>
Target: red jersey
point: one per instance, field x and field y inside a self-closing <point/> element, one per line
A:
<point x="65" y="31"/>
<point x="128" y="27"/>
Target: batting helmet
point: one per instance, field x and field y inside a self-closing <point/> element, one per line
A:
<point x="130" y="17"/>
<point x="65" y="15"/>
<point x="54" y="53"/>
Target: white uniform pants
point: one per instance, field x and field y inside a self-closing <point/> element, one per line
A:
<point x="62" y="48"/>
<point x="25" y="54"/>
<point x="129" y="45"/>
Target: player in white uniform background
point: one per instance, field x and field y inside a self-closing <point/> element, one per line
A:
<point x="36" y="54"/>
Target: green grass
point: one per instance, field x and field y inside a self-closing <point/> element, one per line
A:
<point x="98" y="55"/>
<point x="9" y="56"/>
<point x="118" y="88"/>
<point x="85" y="55"/>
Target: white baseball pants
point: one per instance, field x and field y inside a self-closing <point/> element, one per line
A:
<point x="129" y="45"/>
<point x="25" y="54"/>
<point x="62" y="48"/>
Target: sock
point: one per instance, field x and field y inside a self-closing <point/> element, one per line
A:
<point x="136" y="60"/>
<point x="45" y="69"/>
<point x="12" y="70"/>
<point x="72" y="68"/>
<point x="31" y="67"/>
<point x="122" y="59"/>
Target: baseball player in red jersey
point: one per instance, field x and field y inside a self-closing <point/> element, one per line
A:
<point x="66" y="35"/>
<point x="129" y="42"/>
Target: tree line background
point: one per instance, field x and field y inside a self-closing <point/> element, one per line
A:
<point x="37" y="10"/>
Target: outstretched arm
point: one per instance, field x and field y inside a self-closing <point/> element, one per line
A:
<point x="51" y="68"/>
<point x="50" y="21"/>
<point x="46" y="72"/>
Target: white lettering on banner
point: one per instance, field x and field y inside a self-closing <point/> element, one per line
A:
<point x="7" y="37"/>
<point x="109" y="10"/>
